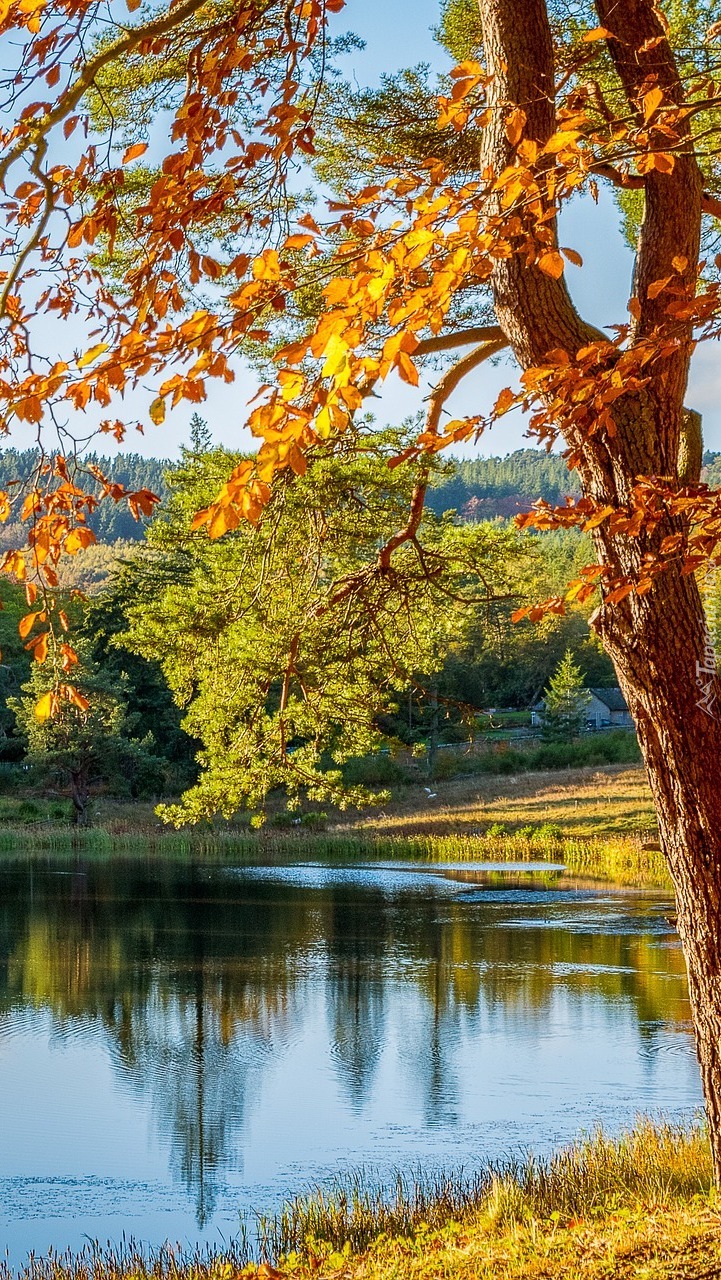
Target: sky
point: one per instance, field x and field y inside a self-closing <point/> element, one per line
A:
<point x="396" y="34"/>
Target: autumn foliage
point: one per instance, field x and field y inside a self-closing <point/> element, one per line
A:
<point x="391" y="264"/>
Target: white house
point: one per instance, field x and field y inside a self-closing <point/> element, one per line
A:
<point x="606" y="708"/>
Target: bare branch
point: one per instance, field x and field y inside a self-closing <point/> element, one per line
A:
<point x="447" y="385"/>
<point x="461" y="338"/>
<point x="453" y="376"/>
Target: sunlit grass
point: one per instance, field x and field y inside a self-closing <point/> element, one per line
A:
<point x="639" y="1207"/>
<point x="593" y="821"/>
<point x="654" y="1165"/>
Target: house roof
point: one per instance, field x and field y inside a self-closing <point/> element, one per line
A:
<point x="611" y="698"/>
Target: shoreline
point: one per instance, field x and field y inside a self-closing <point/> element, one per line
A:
<point x="597" y="822"/>
<point x="638" y="1205"/>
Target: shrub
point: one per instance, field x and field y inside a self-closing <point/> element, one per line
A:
<point x="375" y="771"/>
<point x="314" y="821"/>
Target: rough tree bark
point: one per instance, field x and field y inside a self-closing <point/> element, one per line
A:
<point x="657" y="641"/>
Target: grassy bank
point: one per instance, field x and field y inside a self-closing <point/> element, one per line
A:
<point x="593" y="820"/>
<point x="638" y="1207"/>
<point x="621" y="861"/>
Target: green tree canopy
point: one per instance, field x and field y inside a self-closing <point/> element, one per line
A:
<point x="88" y="741"/>
<point x="286" y="641"/>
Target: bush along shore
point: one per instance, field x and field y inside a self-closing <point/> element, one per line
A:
<point x="640" y="1206"/>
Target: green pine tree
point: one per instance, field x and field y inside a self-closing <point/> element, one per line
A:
<point x="80" y="749"/>
<point x="566" y="702"/>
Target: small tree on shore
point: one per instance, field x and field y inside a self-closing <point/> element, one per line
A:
<point x="566" y="702"/>
<point x="86" y="741"/>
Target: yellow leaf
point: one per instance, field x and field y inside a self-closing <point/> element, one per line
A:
<point x="45" y="707"/>
<point x="78" y="539"/>
<point x="551" y="263"/>
<point x="157" y="411"/>
<point x="336" y="357"/>
<point x="679" y="263"/>
<point x="92" y="354"/>
<point x="565" y="138"/>
<point x="651" y="102"/>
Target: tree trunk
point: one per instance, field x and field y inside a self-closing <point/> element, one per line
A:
<point x="80" y="794"/>
<point x="658" y="641"/>
<point x="667" y="671"/>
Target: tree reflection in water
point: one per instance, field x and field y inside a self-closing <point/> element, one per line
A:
<point x="200" y="978"/>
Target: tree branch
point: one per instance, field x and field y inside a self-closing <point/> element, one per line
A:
<point x="447" y="385"/>
<point x="453" y="376"/>
<point x="637" y="182"/>
<point x="642" y="56"/>
<point x="461" y="338"/>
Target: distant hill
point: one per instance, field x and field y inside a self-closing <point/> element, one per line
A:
<point x="111" y="521"/>
<point x="484" y="488"/>
<point x="481" y="489"/>
<point x="711" y="472"/>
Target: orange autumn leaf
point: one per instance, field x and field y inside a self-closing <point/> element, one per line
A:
<point x="551" y="263"/>
<point x="598" y="33"/>
<point x="26" y="624"/>
<point x="515" y="124"/>
<point x="132" y="153"/>
<point x="651" y="102"/>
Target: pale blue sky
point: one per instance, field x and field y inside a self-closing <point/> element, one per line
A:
<point x="398" y="33"/>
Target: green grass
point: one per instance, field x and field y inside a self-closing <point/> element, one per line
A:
<point x="592" y="820"/>
<point x="637" y="1208"/>
<point x="621" y="860"/>
<point x="654" y="1164"/>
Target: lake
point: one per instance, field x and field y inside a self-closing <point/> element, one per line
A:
<point x="180" y="1042"/>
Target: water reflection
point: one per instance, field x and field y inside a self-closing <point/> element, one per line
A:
<point x="273" y="1023"/>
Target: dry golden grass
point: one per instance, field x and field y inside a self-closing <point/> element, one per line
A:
<point x="600" y="801"/>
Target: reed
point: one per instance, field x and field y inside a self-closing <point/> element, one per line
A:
<point x="654" y="1165"/>
<point x="621" y="859"/>
<point x="643" y="1201"/>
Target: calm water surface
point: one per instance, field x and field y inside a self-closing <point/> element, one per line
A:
<point x="179" y="1043"/>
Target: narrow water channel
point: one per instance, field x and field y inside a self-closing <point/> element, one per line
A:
<point x="180" y="1042"/>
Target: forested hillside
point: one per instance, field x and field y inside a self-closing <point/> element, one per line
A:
<point x="111" y="521"/>
<point x="487" y="487"/>
<point x="478" y="490"/>
<point x="481" y="489"/>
